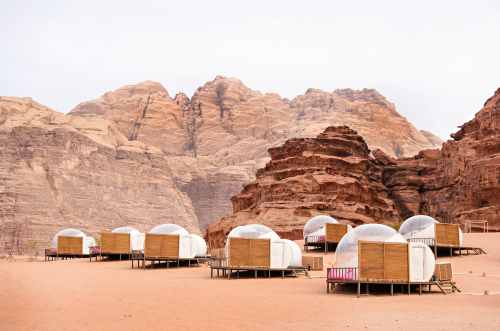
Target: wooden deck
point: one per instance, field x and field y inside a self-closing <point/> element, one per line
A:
<point x="332" y="245"/>
<point x="50" y="257"/>
<point x="139" y="256"/>
<point x="110" y="256"/>
<point x="448" y="248"/>
<point x="441" y="285"/>
<point x="220" y="264"/>
<point x="350" y="276"/>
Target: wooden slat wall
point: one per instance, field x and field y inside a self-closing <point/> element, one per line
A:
<point x="115" y="242"/>
<point x="69" y="245"/>
<point x="63" y="245"/>
<point x="250" y="252"/>
<point x="447" y="234"/>
<point x="383" y="261"/>
<point x="122" y="242"/>
<point x="335" y="232"/>
<point x="161" y="245"/>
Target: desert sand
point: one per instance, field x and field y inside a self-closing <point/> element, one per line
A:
<point x="82" y="295"/>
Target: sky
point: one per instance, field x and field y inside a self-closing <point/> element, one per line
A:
<point x="437" y="61"/>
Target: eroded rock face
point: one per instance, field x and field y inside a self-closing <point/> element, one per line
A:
<point x="332" y="174"/>
<point x="61" y="171"/>
<point x="459" y="182"/>
<point x="218" y="139"/>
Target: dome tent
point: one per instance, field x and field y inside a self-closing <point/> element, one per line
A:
<point x="136" y="238"/>
<point x="316" y="225"/>
<point x="323" y="231"/>
<point x="284" y="253"/>
<point x="415" y="224"/>
<point x="420" y="228"/>
<point x="190" y="245"/>
<point x="421" y="258"/>
<point x="87" y="242"/>
<point x="347" y="249"/>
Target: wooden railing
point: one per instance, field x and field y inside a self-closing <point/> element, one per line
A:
<point x="427" y="241"/>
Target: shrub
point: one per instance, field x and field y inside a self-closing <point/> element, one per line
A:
<point x="397" y="226"/>
<point x="97" y="239"/>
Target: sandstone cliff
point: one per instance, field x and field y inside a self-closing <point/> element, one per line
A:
<point x="218" y="139"/>
<point x="459" y="182"/>
<point x="59" y="171"/>
<point x="332" y="174"/>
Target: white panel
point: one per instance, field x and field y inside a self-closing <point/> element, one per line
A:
<point x="185" y="247"/>
<point x="137" y="241"/>
<point x="277" y="255"/>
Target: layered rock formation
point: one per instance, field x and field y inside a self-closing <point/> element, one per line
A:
<point x="332" y="174"/>
<point x="218" y="139"/>
<point x="61" y="171"/>
<point x="459" y="182"/>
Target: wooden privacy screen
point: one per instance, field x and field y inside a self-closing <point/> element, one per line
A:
<point x="335" y="232"/>
<point x="447" y="234"/>
<point x="250" y="252"/>
<point x="69" y="245"/>
<point x="115" y="242"/>
<point x="161" y="245"/>
<point x="384" y="260"/>
<point x="443" y="271"/>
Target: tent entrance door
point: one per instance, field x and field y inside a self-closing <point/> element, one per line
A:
<point x="417" y="263"/>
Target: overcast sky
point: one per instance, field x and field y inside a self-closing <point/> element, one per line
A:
<point x="438" y="61"/>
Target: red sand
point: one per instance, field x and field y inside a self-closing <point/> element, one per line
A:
<point x="77" y="294"/>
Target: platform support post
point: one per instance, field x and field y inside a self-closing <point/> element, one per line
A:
<point x="392" y="289"/>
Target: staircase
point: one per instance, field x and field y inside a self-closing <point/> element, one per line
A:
<point x="451" y="287"/>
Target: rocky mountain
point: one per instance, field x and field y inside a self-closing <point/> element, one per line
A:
<point x="459" y="182"/>
<point x="332" y="174"/>
<point x="59" y="171"/>
<point x="217" y="139"/>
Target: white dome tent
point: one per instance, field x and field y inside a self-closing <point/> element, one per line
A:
<point x="324" y="231"/>
<point x="421" y="228"/>
<point x="346" y="254"/>
<point x="190" y="245"/>
<point x="257" y="247"/>
<point x="171" y="242"/>
<point x="421" y="258"/>
<point x="136" y="238"/>
<point x="316" y="226"/>
<point x="87" y="243"/>
<point x="415" y="224"/>
<point x="284" y="252"/>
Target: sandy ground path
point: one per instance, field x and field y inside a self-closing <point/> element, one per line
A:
<point x="80" y="295"/>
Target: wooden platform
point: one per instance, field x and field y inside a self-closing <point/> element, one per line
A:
<point x="221" y="264"/>
<point x="139" y="256"/>
<point x="460" y="249"/>
<point x="321" y="245"/>
<point x="51" y="257"/>
<point x="118" y="256"/>
<point x="441" y="285"/>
